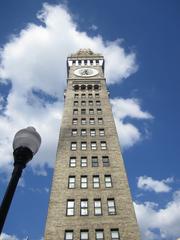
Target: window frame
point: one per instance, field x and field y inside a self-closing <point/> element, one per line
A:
<point x="82" y="163"/>
<point x="84" y="207"/>
<point x="103" y="145"/>
<point x="93" y="132"/>
<point x="97" y="200"/>
<point x="96" y="182"/>
<point x="111" y="209"/>
<point x="93" y="145"/>
<point x="72" y="163"/>
<point x="83" y="146"/>
<point x="71" y="184"/>
<point x="66" y="232"/>
<point x="105" y="163"/>
<point x="96" y="235"/>
<point x="84" y="184"/>
<point x="93" y="162"/>
<point x="117" y="231"/>
<point x="70" y="208"/>
<point x="73" y="146"/>
<point x="84" y="231"/>
<point x="108" y="184"/>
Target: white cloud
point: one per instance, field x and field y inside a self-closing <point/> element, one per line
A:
<point x="93" y="27"/>
<point x="123" y="108"/>
<point x="5" y="236"/>
<point x="148" y="183"/>
<point x="35" y="60"/>
<point x="159" y="223"/>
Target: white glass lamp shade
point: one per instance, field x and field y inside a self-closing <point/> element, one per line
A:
<point x="27" y="137"/>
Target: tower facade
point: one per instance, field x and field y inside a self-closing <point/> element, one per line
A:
<point x="90" y="196"/>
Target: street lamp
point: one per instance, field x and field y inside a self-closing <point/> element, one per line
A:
<point x="26" y="144"/>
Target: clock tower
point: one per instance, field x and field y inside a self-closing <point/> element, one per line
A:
<point x="90" y="197"/>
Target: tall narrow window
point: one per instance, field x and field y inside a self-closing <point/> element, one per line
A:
<point x="91" y="121"/>
<point x="99" y="111"/>
<point x="74" y="146"/>
<point x="83" y="161"/>
<point x="76" y="95"/>
<point x="83" y="111"/>
<point x="105" y="160"/>
<point x="94" y="161"/>
<point x="83" y="146"/>
<point x="111" y="206"/>
<point x="71" y="182"/>
<point x="98" y="103"/>
<point x="83" y="132"/>
<point x="83" y="95"/>
<point x="84" y="182"/>
<point x="91" y="111"/>
<point x="93" y="145"/>
<point x="101" y="132"/>
<point x="103" y="145"/>
<point x="97" y="95"/>
<point x="83" y="121"/>
<point x="90" y="103"/>
<point x="84" y="235"/>
<point x="75" y="111"/>
<point x="83" y="103"/>
<point x="99" y="234"/>
<point x="74" y="132"/>
<point x="100" y="121"/>
<point x="75" y="103"/>
<point x="70" y="207"/>
<point x="69" y="235"/>
<point x="90" y="95"/>
<point x="74" y="121"/>
<point x="97" y="207"/>
<point x="96" y="181"/>
<point x="92" y="132"/>
<point x="84" y="207"/>
<point x="115" y="234"/>
<point x="108" y="181"/>
<point x="72" y="162"/>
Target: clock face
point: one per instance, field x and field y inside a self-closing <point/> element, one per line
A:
<point x="85" y="72"/>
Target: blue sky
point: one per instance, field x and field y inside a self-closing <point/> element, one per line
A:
<point x="140" y="42"/>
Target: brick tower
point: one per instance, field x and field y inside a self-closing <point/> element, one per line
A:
<point x="90" y="197"/>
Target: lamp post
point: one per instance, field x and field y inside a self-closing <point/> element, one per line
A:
<point x="26" y="144"/>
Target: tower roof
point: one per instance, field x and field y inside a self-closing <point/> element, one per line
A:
<point x="85" y="52"/>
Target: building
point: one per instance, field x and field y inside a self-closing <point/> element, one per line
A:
<point x="90" y="196"/>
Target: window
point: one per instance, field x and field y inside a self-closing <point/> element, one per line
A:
<point x="83" y="145"/>
<point x="84" y="181"/>
<point x="83" y="87"/>
<point x="91" y="121"/>
<point x="96" y="87"/>
<point x="74" y="132"/>
<point x="75" y="111"/>
<point x="92" y="132"/>
<point x="91" y="111"/>
<point x="115" y="234"/>
<point x="83" y="132"/>
<point x="76" y="95"/>
<point x="99" y="111"/>
<point x="101" y="132"/>
<point x="90" y="103"/>
<point x="96" y="181"/>
<point x="72" y="162"/>
<point x="83" y="161"/>
<point x="99" y="234"/>
<point x="74" y="121"/>
<point x="85" y="62"/>
<point x="70" y="207"/>
<point x="97" y="207"/>
<point x="79" y="62"/>
<point x="84" y="207"/>
<point x="91" y="62"/>
<point x="73" y="146"/>
<point x="98" y="103"/>
<point x="83" y="121"/>
<point x="95" y="162"/>
<point x="69" y="235"/>
<point x="103" y="145"/>
<point x="83" y="95"/>
<point x="75" y="103"/>
<point x="97" y="95"/>
<point x="111" y="206"/>
<point x="93" y="145"/>
<point x="84" y="235"/>
<point x="97" y="61"/>
<point x="89" y="87"/>
<point x="100" y="121"/>
<point x="90" y="95"/>
<point x="83" y="103"/>
<point x="71" y="182"/>
<point x="108" y="181"/>
<point x="83" y="111"/>
<point x="105" y="160"/>
<point x="76" y="87"/>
